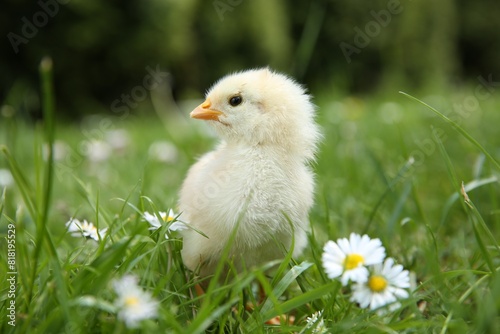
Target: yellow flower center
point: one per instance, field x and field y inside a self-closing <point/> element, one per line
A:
<point x="377" y="283"/>
<point x="353" y="261"/>
<point x="167" y="218"/>
<point x="131" y="301"/>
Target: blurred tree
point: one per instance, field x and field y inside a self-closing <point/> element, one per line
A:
<point x="102" y="50"/>
<point x="422" y="49"/>
<point x="479" y="38"/>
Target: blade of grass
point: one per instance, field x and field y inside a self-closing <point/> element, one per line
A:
<point x="480" y="221"/>
<point x="474" y="184"/>
<point x="43" y="238"/>
<point x="49" y="132"/>
<point x="305" y="298"/>
<point x="391" y="227"/>
<point x="49" y="129"/>
<point x="288" y="254"/>
<point x="284" y="283"/>
<point x="475" y="214"/>
<point x="399" y="177"/>
<point x="457" y="128"/>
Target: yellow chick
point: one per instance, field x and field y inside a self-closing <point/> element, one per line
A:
<point x="256" y="186"/>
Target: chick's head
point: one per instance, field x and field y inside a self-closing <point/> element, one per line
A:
<point x="261" y="107"/>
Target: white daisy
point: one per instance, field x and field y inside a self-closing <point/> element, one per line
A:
<point x="133" y="303"/>
<point x="85" y="229"/>
<point x="348" y="258"/>
<point x="155" y="223"/>
<point x="315" y="321"/>
<point x="153" y="220"/>
<point x="385" y="285"/>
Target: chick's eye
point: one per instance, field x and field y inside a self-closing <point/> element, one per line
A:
<point x="235" y="100"/>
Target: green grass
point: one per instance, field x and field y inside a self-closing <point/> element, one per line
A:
<point x="365" y="184"/>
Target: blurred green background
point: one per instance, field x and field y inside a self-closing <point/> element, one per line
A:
<point x="101" y="49"/>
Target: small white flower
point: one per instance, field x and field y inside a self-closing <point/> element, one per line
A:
<point x="133" y="303"/>
<point x="315" y="321"/>
<point x="118" y="139"/>
<point x="163" y="151"/>
<point x="385" y="285"/>
<point x="348" y="258"/>
<point x="155" y="223"/>
<point x="85" y="229"/>
<point x="97" y="150"/>
<point x="60" y="151"/>
<point x="6" y="179"/>
<point x="153" y="220"/>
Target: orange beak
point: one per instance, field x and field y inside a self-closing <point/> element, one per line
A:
<point x="204" y="112"/>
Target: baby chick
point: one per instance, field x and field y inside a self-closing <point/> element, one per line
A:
<point x="255" y="189"/>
